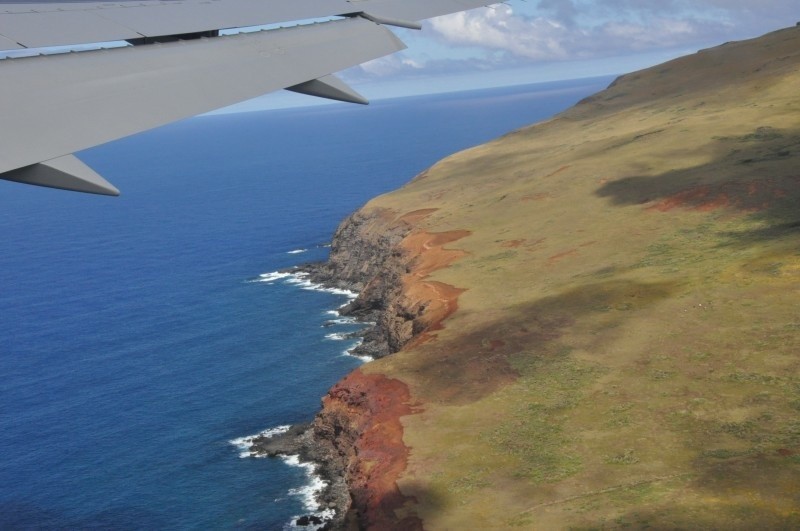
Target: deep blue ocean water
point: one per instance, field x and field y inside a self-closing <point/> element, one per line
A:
<point x="134" y="344"/>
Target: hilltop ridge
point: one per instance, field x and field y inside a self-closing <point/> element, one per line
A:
<point x="595" y="318"/>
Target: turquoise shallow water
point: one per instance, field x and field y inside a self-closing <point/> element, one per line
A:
<point x="133" y="343"/>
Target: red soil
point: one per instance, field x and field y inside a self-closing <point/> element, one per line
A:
<point x="747" y="196"/>
<point x="560" y="256"/>
<point x="373" y="405"/>
<point x="441" y="299"/>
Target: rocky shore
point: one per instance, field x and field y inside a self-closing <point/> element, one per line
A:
<point x="356" y="438"/>
<point x="625" y="356"/>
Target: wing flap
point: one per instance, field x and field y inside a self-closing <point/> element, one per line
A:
<point x="56" y="28"/>
<point x="59" y="24"/>
<point x="415" y="9"/>
<point x="67" y="23"/>
<point x="89" y="98"/>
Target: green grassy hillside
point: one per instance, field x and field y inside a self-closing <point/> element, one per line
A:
<point x="626" y="352"/>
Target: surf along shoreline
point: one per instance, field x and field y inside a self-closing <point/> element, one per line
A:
<point x="356" y="440"/>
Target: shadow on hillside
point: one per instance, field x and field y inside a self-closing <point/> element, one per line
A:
<point x="756" y="174"/>
<point x="477" y="362"/>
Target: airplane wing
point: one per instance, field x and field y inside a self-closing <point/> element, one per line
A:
<point x="54" y="105"/>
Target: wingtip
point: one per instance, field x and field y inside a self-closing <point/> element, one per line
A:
<point x="330" y="87"/>
<point x="65" y="173"/>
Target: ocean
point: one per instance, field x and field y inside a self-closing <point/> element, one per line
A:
<point x="141" y="336"/>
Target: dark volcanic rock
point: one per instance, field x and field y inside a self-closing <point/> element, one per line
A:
<point x="366" y="257"/>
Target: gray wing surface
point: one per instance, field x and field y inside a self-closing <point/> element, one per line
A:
<point x="54" y="105"/>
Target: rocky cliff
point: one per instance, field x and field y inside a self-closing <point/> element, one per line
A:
<point x="357" y="438"/>
<point x="386" y="260"/>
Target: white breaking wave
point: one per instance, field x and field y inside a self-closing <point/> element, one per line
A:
<point x="245" y="444"/>
<point x="309" y="493"/>
<point x="300" y="279"/>
<point x="298" y="251"/>
<point x="349" y="352"/>
<point x="342" y="321"/>
<point x="272" y="277"/>
<point x="338" y="336"/>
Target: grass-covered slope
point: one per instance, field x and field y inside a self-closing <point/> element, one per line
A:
<point x="627" y="348"/>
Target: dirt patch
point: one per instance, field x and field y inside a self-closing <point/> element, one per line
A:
<point x="414" y="217"/>
<point x="560" y="256"/>
<point x="512" y="244"/>
<point x="427" y="249"/>
<point x="438" y="300"/>
<point x="560" y="170"/>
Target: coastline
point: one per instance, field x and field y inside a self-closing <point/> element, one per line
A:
<point x="311" y="443"/>
<point x="355" y="441"/>
<point x="565" y="349"/>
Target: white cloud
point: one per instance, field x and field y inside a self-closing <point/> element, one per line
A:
<point x="563" y="37"/>
<point x="550" y="31"/>
<point x="398" y="65"/>
<point x="499" y="29"/>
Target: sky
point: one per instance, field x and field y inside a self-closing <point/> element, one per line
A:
<point x="520" y="42"/>
<point x="555" y="38"/>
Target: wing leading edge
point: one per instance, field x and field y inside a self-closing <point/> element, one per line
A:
<point x="56" y="105"/>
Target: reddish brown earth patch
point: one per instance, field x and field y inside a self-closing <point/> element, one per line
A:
<point x="512" y="244"/>
<point x="495" y="344"/>
<point x="560" y="170"/>
<point x="370" y="407"/>
<point x="750" y="196"/>
<point x="440" y="299"/>
<point x="414" y="217"/>
<point x="560" y="256"/>
<point x="441" y="302"/>
<point x="428" y="250"/>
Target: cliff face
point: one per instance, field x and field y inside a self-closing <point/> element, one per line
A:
<point x="625" y="350"/>
<point x="386" y="260"/>
<point x="358" y="431"/>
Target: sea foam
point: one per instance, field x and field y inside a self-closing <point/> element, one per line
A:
<point x="272" y="277"/>
<point x="301" y="280"/>
<point x="309" y="493"/>
<point x="245" y="444"/>
<point x="349" y="352"/>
